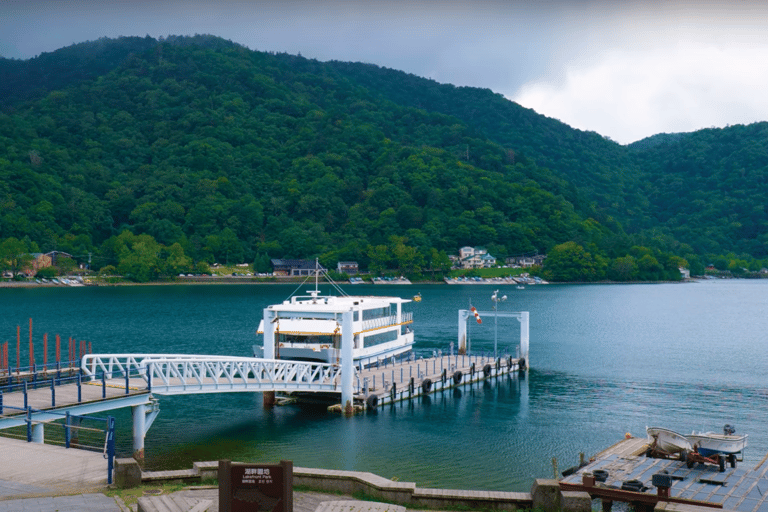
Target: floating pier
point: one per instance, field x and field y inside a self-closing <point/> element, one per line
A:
<point x="390" y="382"/>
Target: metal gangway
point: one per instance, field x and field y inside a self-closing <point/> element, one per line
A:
<point x="113" y="381"/>
<point x="179" y="374"/>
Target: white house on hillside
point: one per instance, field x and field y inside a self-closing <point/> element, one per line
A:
<point x="475" y="257"/>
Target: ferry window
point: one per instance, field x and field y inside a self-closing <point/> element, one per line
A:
<point x="355" y="316"/>
<point x="383" y="337"/>
<point x="369" y="314"/>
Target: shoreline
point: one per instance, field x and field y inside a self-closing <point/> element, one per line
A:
<point x="245" y="281"/>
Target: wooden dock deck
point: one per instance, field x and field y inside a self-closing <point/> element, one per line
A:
<point x="740" y="489"/>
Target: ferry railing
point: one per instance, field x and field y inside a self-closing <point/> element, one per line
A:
<point x="380" y="322"/>
<point x="74" y="433"/>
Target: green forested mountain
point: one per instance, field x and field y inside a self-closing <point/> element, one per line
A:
<point x="196" y="149"/>
<point x="709" y="188"/>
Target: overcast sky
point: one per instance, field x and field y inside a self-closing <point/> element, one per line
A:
<point x="625" y="69"/>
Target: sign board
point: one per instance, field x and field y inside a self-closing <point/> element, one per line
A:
<point x="255" y="487"/>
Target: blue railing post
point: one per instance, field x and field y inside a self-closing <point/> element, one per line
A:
<point x="127" y="381"/>
<point x="67" y="430"/>
<point x="149" y="377"/>
<point x="53" y="393"/>
<point x="25" y="394"/>
<point x="79" y="388"/>
<point x="110" y="447"/>
<point x="103" y="385"/>
<point x="1" y="402"/>
<point x="29" y="424"/>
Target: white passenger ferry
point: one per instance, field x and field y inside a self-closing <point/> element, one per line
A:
<point x="308" y="328"/>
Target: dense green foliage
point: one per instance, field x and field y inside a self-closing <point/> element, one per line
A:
<point x="154" y="157"/>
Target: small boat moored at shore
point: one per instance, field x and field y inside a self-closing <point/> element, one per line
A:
<point x="667" y="441"/>
<point x="710" y="443"/>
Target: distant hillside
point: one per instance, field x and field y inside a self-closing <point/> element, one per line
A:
<point x="709" y="189"/>
<point x="234" y="155"/>
<point x="592" y="165"/>
<point x="656" y="140"/>
<point x="33" y="78"/>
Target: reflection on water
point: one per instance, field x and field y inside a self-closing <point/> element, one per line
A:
<point x="605" y="360"/>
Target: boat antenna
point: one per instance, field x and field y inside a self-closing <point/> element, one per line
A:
<point x="317" y="274"/>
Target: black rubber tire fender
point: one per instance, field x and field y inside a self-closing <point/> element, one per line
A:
<point x="372" y="401"/>
<point x="426" y="385"/>
<point x="457" y="375"/>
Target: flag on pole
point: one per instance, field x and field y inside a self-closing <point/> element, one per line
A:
<point x="477" y="316"/>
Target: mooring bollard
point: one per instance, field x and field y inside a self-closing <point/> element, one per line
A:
<point x="29" y="423"/>
<point x="67" y="431"/>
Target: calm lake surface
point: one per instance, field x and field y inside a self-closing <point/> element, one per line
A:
<point x="605" y="360"/>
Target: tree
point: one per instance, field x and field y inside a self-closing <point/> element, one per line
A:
<point x="139" y="259"/>
<point x="262" y="264"/>
<point x="379" y="258"/>
<point x="438" y="261"/>
<point x="175" y="260"/>
<point x="649" y="268"/>
<point x="570" y="262"/>
<point x="14" y="255"/>
<point x="623" y="269"/>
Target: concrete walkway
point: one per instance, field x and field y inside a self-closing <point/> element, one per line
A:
<point x="42" y="473"/>
<point x="48" y="478"/>
<point x="79" y="503"/>
<point x="35" y="469"/>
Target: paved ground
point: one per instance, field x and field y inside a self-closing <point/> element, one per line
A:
<point x="94" y="502"/>
<point x="48" y="469"/>
<point x="97" y="502"/>
<point x="46" y="478"/>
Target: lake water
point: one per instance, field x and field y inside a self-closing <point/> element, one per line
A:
<point x="605" y="360"/>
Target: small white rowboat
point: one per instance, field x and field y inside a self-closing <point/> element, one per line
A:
<point x="668" y="440"/>
<point x="710" y="443"/>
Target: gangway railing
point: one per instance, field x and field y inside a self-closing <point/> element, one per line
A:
<point x="172" y="374"/>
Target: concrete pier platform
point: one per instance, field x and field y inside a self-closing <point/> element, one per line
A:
<point x="35" y="469"/>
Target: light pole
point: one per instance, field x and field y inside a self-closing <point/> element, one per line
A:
<point x="495" y="298"/>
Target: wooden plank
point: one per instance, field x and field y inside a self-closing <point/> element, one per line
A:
<point x="634" y="446"/>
